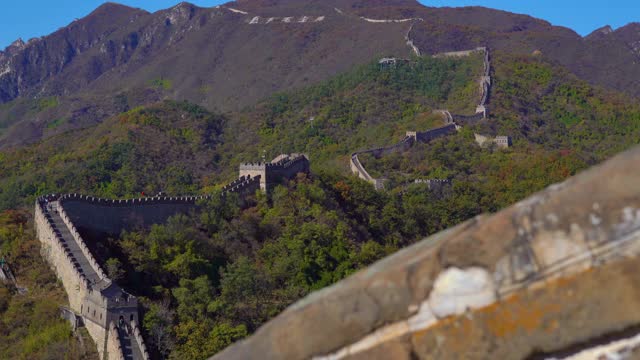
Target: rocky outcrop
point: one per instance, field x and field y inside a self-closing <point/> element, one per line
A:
<point x="555" y="272"/>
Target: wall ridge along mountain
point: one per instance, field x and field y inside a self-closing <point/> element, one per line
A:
<point x="92" y="295"/>
<point x="453" y="122"/>
<point x="407" y="37"/>
<point x="64" y="224"/>
<point x="552" y="273"/>
<point x="264" y="20"/>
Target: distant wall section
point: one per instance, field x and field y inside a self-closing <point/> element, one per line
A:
<point x="113" y="216"/>
<point x="275" y="172"/>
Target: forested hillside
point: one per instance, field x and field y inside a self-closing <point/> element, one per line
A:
<point x="30" y="322"/>
<point x="178" y="148"/>
<point x="119" y="57"/>
<point x="209" y="279"/>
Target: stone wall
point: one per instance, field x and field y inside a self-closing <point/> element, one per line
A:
<point x="499" y="141"/>
<point x="411" y="137"/>
<point x="254" y="171"/>
<point x="99" y="302"/>
<point x="279" y="169"/>
<point x="60" y="259"/>
<point x="113" y="216"/>
<point x="99" y="335"/>
<point x="245" y="185"/>
<point x="434" y="184"/>
<point x="361" y="172"/>
<point x="358" y="169"/>
<point x="114" y="347"/>
<point x="453" y="121"/>
<point x="469" y="119"/>
<point x="485" y="87"/>
<point x="7" y="275"/>
<point x="462" y="53"/>
<point x="83" y="246"/>
<point x="70" y="315"/>
<point x="137" y="337"/>
<point x="549" y="273"/>
<point x="426" y="136"/>
<point x="288" y="168"/>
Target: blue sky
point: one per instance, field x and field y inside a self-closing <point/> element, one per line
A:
<point x="33" y="18"/>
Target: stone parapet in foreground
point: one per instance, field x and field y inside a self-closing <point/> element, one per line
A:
<point x="545" y="276"/>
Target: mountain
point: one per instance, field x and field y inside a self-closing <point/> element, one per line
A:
<point x="234" y="55"/>
<point x="125" y="103"/>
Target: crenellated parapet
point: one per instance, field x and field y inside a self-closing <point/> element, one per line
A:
<point x="244" y="185"/>
<point x="426" y="136"/>
<point x="60" y="257"/>
<point x="137" y="336"/>
<point x="558" y="267"/>
<point x="114" y="345"/>
<point x="285" y="166"/>
<point x="452" y="122"/>
<point x="434" y="184"/>
<point x="83" y="246"/>
<point x="358" y="169"/>
<point x="500" y="141"/>
<point x="92" y="295"/>
<point x="151" y="200"/>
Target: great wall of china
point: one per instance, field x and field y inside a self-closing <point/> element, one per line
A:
<point x="540" y="249"/>
<point x="504" y="286"/>
<point x="64" y="222"/>
<point x="453" y="121"/>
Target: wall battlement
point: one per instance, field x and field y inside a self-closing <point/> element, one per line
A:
<point x="461" y="53"/>
<point x="426" y="136"/>
<point x="92" y="295"/>
<point x="114" y="346"/>
<point x="244" y="185"/>
<point x="137" y="335"/>
<point x="284" y="166"/>
<point x="63" y="222"/>
<point x="358" y="169"/>
<point x="485" y="282"/>
<point x="500" y="141"/>
<point x="153" y="200"/>
<point x="434" y="184"/>
<point x="453" y="121"/>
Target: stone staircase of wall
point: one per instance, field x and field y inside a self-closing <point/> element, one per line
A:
<point x="74" y="247"/>
<point x="130" y="348"/>
<point x="92" y="295"/>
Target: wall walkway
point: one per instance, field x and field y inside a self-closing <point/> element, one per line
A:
<point x="92" y="295"/>
<point x="453" y="121"/>
<point x="550" y="273"/>
<point x="108" y="312"/>
<point x="74" y="247"/>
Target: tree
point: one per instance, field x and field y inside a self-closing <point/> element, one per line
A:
<point x="114" y="269"/>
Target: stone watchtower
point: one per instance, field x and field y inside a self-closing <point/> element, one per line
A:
<point x="284" y="166"/>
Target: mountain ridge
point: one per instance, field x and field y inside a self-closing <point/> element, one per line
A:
<point x="224" y="59"/>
